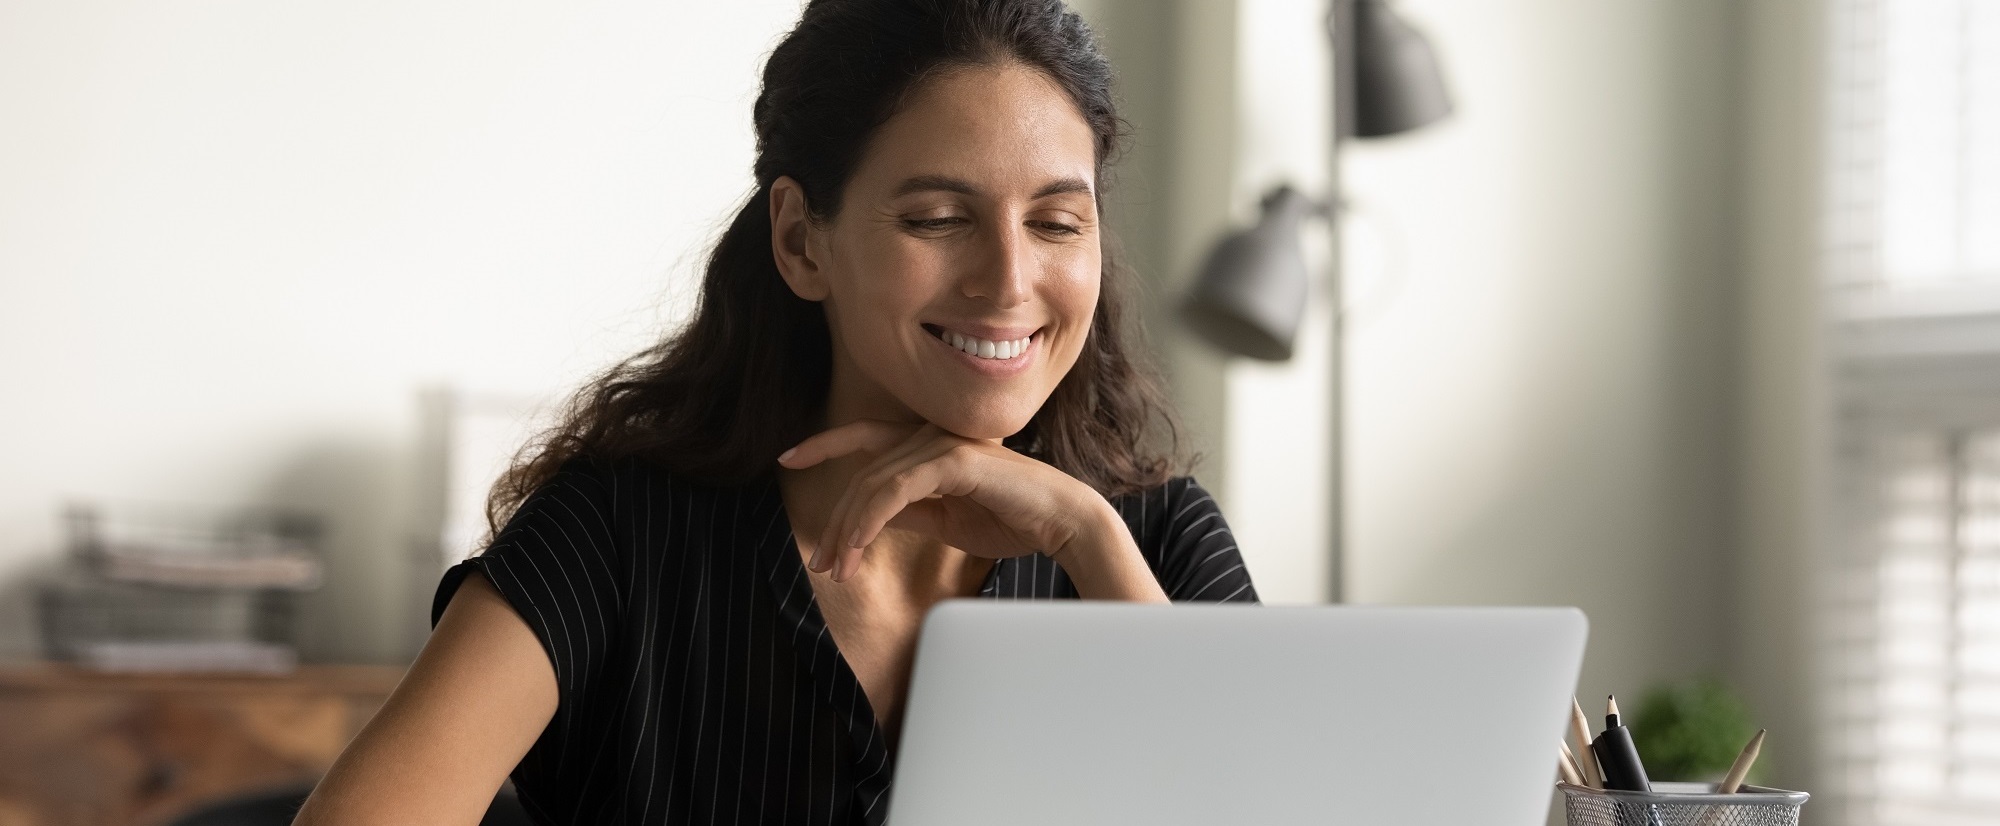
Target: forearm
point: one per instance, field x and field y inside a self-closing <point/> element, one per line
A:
<point x="1104" y="563"/>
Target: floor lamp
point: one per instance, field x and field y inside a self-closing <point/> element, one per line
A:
<point x="1250" y="295"/>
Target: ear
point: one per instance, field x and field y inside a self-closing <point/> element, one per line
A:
<point x="791" y="247"/>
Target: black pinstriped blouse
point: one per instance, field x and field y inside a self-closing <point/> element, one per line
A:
<point x="698" y="683"/>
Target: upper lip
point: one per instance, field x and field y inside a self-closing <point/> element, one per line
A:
<point x="989" y="332"/>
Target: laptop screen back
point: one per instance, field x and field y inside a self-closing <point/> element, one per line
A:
<point x="1094" y="713"/>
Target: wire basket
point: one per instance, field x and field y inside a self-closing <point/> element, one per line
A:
<point x="1682" y="804"/>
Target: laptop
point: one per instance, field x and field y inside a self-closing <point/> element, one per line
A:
<point x="1108" y="713"/>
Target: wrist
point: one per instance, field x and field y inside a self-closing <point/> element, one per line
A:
<point x="1103" y="561"/>
<point x="1096" y="529"/>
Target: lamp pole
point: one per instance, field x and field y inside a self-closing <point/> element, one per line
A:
<point x="1250" y="296"/>
<point x="1340" y="29"/>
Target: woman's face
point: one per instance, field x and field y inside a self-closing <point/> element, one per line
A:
<point x="960" y="273"/>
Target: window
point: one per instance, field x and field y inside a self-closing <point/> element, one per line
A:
<point x="1916" y="173"/>
<point x="1913" y="269"/>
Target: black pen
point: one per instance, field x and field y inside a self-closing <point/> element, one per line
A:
<point x="1617" y="756"/>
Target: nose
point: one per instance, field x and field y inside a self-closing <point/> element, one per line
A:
<point x="1004" y="272"/>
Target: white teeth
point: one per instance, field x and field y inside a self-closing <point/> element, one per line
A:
<point x="986" y="349"/>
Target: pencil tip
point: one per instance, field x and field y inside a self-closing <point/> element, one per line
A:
<point x="1611" y="702"/>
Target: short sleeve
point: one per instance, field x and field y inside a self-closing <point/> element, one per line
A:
<point x="556" y="562"/>
<point x="1179" y="526"/>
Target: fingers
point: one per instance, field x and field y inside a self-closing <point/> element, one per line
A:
<point x="925" y="516"/>
<point x="944" y="470"/>
<point x="837" y="532"/>
<point x="859" y="436"/>
<point x="874" y="510"/>
<point x="910" y="464"/>
<point x="879" y="495"/>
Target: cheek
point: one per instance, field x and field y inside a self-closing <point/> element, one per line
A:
<point x="874" y="294"/>
<point x="1075" y="291"/>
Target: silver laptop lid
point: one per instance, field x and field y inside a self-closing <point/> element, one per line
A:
<point x="1095" y="713"/>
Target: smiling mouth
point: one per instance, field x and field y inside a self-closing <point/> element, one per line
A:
<point x="982" y="348"/>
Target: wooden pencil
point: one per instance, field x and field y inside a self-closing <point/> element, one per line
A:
<point x="1734" y="780"/>
<point x="1567" y="764"/>
<point x="1586" y="760"/>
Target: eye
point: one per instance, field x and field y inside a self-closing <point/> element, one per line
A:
<point x="932" y="224"/>
<point x="1056" y="227"/>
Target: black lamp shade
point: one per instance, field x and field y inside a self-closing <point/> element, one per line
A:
<point x="1398" y="85"/>
<point x="1250" y="296"/>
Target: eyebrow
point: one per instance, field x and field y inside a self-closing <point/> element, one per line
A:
<point x="937" y="183"/>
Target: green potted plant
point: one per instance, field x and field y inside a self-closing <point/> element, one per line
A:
<point x="1692" y="730"/>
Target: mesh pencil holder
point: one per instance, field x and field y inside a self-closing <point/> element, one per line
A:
<point x="1682" y="804"/>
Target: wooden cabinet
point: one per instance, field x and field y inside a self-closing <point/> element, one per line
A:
<point x="105" y="750"/>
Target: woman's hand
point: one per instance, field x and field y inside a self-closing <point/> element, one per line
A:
<point x="973" y="495"/>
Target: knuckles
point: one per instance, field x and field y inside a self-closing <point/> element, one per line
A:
<point x="903" y="479"/>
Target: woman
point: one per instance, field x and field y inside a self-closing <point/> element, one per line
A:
<point x="906" y="380"/>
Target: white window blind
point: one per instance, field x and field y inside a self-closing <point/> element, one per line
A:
<point x="1917" y="143"/>
<point x="1921" y="738"/>
<point x="1913" y="270"/>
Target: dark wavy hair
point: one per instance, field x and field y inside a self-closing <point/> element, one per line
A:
<point x="748" y="375"/>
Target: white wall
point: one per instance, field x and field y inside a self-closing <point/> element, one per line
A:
<point x="1539" y="409"/>
<point x="1783" y="467"/>
<point x="1581" y="326"/>
<point x="1227" y="98"/>
<point x="236" y="237"/>
<point x="1278" y="439"/>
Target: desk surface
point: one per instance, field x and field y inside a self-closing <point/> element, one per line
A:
<point x="317" y="679"/>
<point x="80" y="747"/>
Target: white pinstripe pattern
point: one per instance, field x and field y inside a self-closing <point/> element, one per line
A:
<point x="694" y="623"/>
<point x="650" y="552"/>
<point x="688" y="581"/>
<point x="770" y="695"/>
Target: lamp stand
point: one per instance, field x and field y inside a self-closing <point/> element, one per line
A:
<point x="1340" y="30"/>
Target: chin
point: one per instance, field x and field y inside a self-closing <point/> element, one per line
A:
<point x="981" y="423"/>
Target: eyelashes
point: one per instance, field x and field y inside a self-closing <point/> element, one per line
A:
<point x="938" y="225"/>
